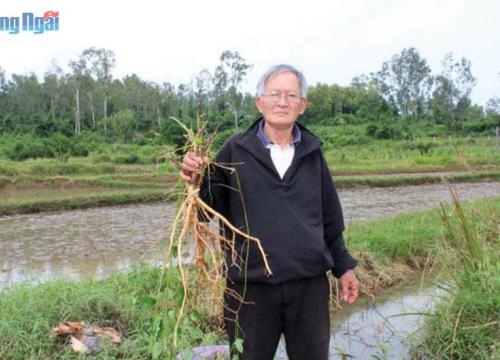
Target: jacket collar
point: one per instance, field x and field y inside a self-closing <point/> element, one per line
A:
<point x="264" y="139"/>
<point x="250" y="142"/>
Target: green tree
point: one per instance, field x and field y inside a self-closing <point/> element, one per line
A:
<point x="493" y="105"/>
<point x="405" y="82"/>
<point x="79" y="74"/>
<point x="451" y="90"/>
<point x="320" y="104"/>
<point x="122" y="126"/>
<point x="100" y="63"/>
<point x="51" y="86"/>
<point x="170" y="103"/>
<point x="352" y="104"/>
<point x="229" y="75"/>
<point x="2" y="100"/>
<point x="25" y="105"/>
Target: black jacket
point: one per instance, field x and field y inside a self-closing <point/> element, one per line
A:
<point x="298" y="219"/>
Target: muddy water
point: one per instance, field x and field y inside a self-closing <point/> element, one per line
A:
<point x="78" y="244"/>
<point x="383" y="329"/>
<point x="96" y="242"/>
<point x="371" y="203"/>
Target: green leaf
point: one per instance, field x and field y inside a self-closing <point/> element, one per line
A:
<point x="148" y="300"/>
<point x="238" y="345"/>
<point x="195" y="316"/>
<point x="171" y="314"/>
<point x="157" y="350"/>
<point x="174" y="251"/>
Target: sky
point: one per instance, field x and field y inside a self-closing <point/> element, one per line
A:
<point x="331" y="41"/>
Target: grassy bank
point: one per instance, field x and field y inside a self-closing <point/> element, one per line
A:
<point x="110" y="181"/>
<point x="22" y="194"/>
<point x="415" y="179"/>
<point x="389" y="251"/>
<point x="29" y="194"/>
<point x="422" y="155"/>
<point x="344" y="157"/>
<point x="466" y="324"/>
<point x="46" y="201"/>
<point x="124" y="301"/>
<point x="115" y="174"/>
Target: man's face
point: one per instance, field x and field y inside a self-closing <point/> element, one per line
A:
<point x="281" y="103"/>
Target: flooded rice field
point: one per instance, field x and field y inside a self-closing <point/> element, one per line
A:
<point x="98" y="241"/>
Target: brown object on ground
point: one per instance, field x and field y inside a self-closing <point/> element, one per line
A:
<point x="85" y="338"/>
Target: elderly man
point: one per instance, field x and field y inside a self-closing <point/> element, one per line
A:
<point x="282" y="193"/>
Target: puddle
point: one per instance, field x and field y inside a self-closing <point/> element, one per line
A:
<point x="382" y="329"/>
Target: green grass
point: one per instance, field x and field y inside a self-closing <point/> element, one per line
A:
<point x="52" y="184"/>
<point x="396" y="156"/>
<point x="72" y="183"/>
<point x="138" y="181"/>
<point x="374" y="156"/>
<point x="409" y="236"/>
<point x="33" y="193"/>
<point x="466" y="324"/>
<point x="70" y="200"/>
<point x="125" y="301"/>
<point x="78" y="166"/>
<point x="380" y="181"/>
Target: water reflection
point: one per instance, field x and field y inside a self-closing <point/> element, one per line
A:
<point x="79" y="244"/>
<point x="381" y="330"/>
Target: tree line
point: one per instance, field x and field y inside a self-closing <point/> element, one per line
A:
<point x="87" y="98"/>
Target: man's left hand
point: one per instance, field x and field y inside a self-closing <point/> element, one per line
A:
<point x="350" y="287"/>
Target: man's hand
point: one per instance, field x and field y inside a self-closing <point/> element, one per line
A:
<point x="350" y="287"/>
<point x="191" y="166"/>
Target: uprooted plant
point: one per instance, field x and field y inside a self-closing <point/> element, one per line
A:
<point x="192" y="232"/>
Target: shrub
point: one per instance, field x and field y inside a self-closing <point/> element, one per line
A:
<point x="122" y="125"/>
<point x="6" y="170"/>
<point x="61" y="145"/>
<point x="173" y="134"/>
<point x="347" y="119"/>
<point x="371" y="130"/>
<point x="102" y="158"/>
<point x="221" y="137"/>
<point x="58" y="145"/>
<point x="479" y="127"/>
<point x="90" y="140"/>
<point x="127" y="159"/>
<point x="80" y="150"/>
<point x="29" y="150"/>
<point x="425" y="147"/>
<point x="389" y="130"/>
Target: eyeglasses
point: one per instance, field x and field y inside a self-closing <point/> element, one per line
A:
<point x="290" y="97"/>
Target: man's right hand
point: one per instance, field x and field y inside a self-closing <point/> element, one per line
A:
<point x="191" y="166"/>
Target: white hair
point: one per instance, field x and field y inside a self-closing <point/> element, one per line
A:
<point x="279" y="69"/>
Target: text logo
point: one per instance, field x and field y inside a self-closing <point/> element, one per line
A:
<point x="29" y="22"/>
